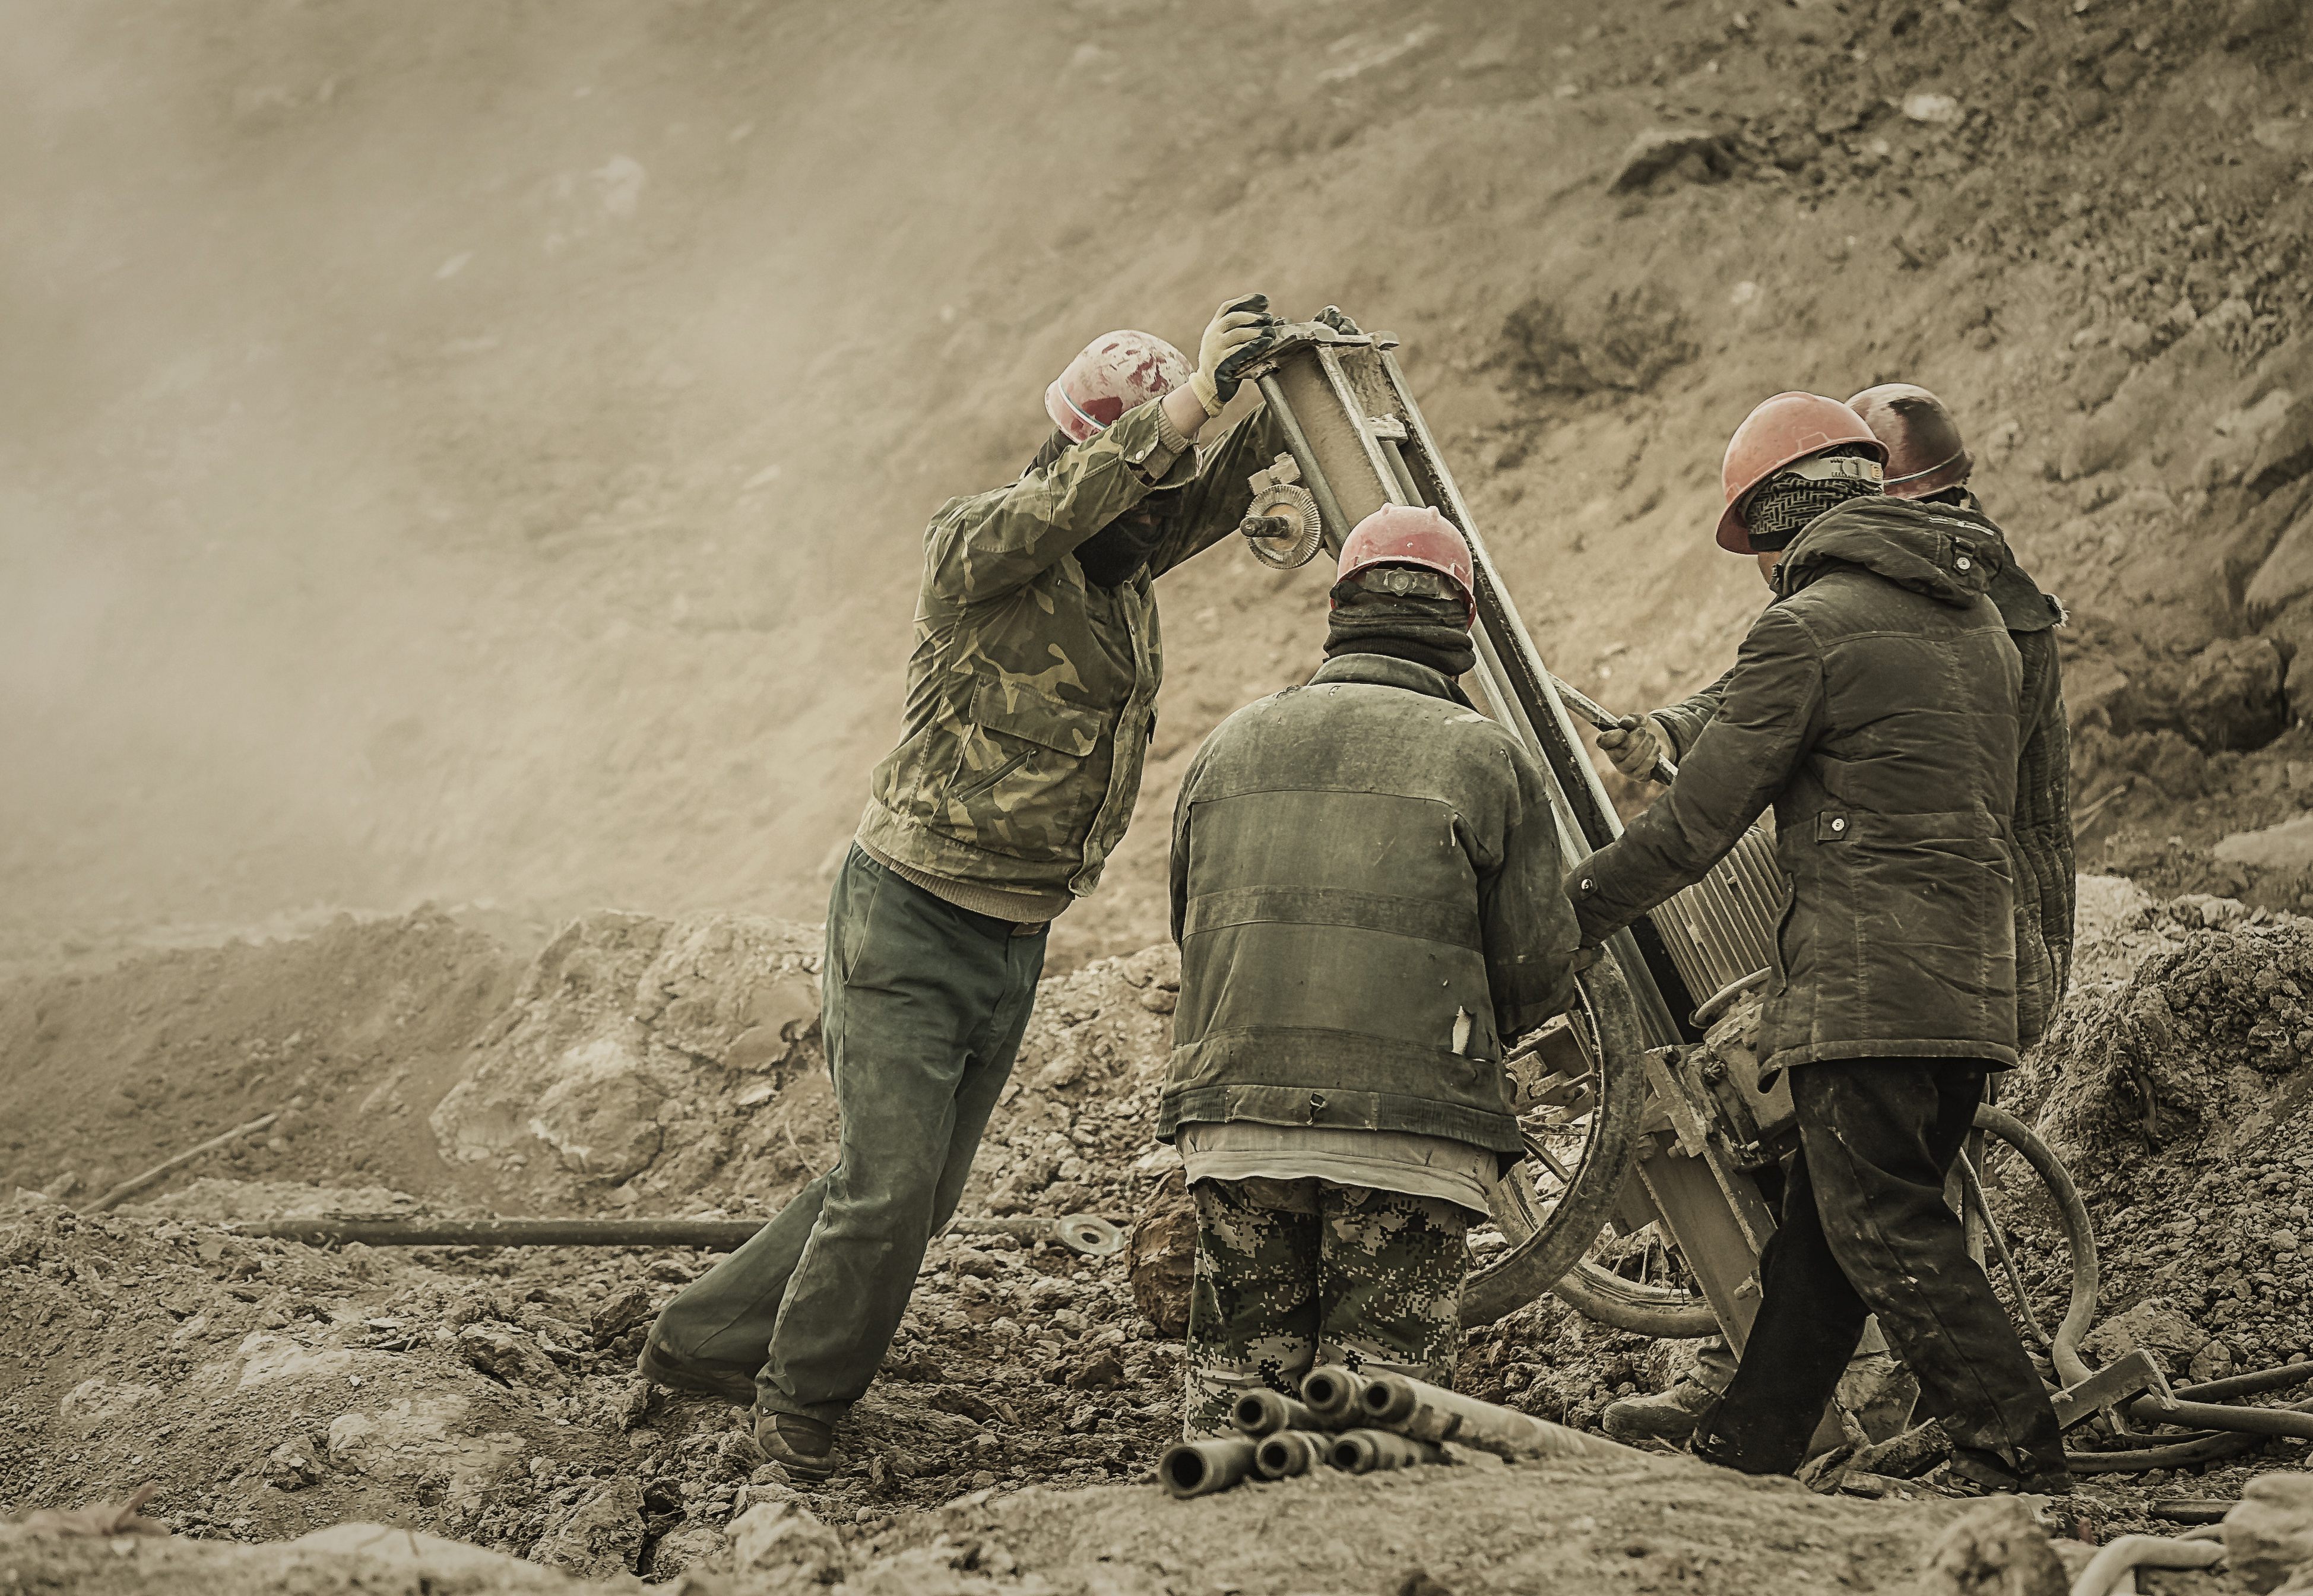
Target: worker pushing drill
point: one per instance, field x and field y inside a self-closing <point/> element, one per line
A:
<point x="1928" y="463"/>
<point x="1877" y="706"/>
<point x="1031" y="694"/>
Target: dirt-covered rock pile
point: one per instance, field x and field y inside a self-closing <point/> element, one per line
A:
<point x="2179" y="1103"/>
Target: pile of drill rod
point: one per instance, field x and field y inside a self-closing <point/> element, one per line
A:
<point x="1360" y="1423"/>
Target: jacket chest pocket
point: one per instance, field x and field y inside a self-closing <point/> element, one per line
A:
<point x="1022" y="769"/>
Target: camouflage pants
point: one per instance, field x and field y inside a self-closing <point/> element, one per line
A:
<point x="1291" y="1274"/>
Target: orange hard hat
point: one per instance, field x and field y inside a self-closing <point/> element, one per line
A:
<point x="1401" y="535"/>
<point x="1787" y="428"/>
<point x="1925" y="453"/>
<point x="1115" y="373"/>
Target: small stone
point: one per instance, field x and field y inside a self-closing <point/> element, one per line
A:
<point x="1103" y="1371"/>
<point x="1997" y="1549"/>
<point x="292" y="1465"/>
<point x="2270" y="1532"/>
<point x="784" y="1542"/>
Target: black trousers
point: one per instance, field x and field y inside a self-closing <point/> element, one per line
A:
<point x="1864" y="1230"/>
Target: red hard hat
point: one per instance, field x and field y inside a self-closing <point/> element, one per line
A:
<point x="1400" y="534"/>
<point x="1787" y="428"/>
<point x="1924" y="450"/>
<point x="1116" y="372"/>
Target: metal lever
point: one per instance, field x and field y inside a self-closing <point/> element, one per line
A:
<point x="1582" y="704"/>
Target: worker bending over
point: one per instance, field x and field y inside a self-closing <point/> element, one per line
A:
<point x="1366" y="890"/>
<point x="1877" y="705"/>
<point x="1031" y="694"/>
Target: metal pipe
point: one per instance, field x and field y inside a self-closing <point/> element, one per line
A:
<point x="1362" y="1451"/>
<point x="1201" y="1467"/>
<point x="2279" y="1379"/>
<point x="1431" y="1412"/>
<point x="1285" y="1453"/>
<point x="1972" y="1189"/>
<point x="1312" y="474"/>
<point x="2182" y="1453"/>
<point x="1263" y="1412"/>
<point x="1331" y="1394"/>
<point x="2211" y="1415"/>
<point x="1083" y="1233"/>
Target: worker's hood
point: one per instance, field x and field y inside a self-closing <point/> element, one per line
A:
<point x="1931" y="552"/>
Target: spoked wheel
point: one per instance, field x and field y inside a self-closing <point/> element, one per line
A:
<point x="1580" y="1145"/>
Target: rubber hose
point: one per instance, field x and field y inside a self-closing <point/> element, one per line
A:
<point x="2142" y="1551"/>
<point x="1535" y="1264"/>
<point x="2079" y="1232"/>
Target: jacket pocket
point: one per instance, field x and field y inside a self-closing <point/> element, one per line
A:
<point x="1024" y="782"/>
<point x="1037" y="717"/>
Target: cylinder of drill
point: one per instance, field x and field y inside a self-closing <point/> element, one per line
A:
<point x="1262" y="1411"/>
<point x="1331" y="1394"/>
<point x="1284" y="1453"/>
<point x="1431" y="1413"/>
<point x="1201" y="1467"/>
<point x="1361" y="1452"/>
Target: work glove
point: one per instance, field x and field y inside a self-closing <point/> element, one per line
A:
<point x="1338" y="318"/>
<point x="1636" y="746"/>
<point x="1237" y="336"/>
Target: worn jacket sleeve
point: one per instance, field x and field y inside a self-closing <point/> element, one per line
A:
<point x="987" y="544"/>
<point x="1526" y="923"/>
<point x="1770" y="714"/>
<point x="1215" y="504"/>
<point x="1685" y="721"/>
<point x="2047" y="880"/>
<point x="1180" y="863"/>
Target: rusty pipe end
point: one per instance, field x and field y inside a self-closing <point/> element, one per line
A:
<point x="1201" y="1467"/>
<point x="1331" y="1393"/>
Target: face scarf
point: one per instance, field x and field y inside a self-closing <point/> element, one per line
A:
<point x="1785" y="504"/>
<point x="1429" y="631"/>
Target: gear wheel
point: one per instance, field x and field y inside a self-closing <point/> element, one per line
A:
<point x="1306" y="529"/>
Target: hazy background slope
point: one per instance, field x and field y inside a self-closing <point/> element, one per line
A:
<point x="479" y="453"/>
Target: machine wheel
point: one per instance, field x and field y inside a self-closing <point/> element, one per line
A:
<point x="1552" y="1205"/>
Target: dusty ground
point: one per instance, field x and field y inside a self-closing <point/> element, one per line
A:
<point x="459" y="459"/>
<point x="487" y="1396"/>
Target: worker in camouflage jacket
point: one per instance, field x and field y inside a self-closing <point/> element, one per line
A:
<point x="1366" y="891"/>
<point x="1877" y="705"/>
<point x="1031" y="694"/>
<point x="1928" y="463"/>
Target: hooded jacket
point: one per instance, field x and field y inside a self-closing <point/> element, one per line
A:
<point x="2048" y="887"/>
<point x="1874" y="706"/>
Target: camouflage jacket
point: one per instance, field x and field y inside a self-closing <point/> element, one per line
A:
<point x="1031" y="694"/>
<point x="2047" y="884"/>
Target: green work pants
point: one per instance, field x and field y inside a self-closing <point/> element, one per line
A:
<point x="922" y="1006"/>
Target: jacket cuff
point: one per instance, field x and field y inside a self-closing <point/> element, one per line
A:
<point x="1583" y="890"/>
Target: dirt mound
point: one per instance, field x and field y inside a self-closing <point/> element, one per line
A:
<point x="350" y="1035"/>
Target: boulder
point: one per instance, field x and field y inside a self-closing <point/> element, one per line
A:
<point x="784" y="1549"/>
<point x="599" y="1535"/>
<point x="2269" y="1533"/>
<point x="1997" y="1549"/>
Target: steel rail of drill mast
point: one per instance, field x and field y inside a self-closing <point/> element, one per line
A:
<point x="1357" y="441"/>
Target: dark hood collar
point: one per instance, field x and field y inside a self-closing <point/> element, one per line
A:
<point x="1948" y="554"/>
<point x="1380" y="670"/>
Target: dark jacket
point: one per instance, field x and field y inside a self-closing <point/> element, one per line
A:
<point x="1875" y="705"/>
<point x="1357" y="864"/>
<point x="2048" y="887"/>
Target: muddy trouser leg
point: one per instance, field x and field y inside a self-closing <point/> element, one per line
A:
<point x="922" y="1006"/>
<point x="1390" y="1293"/>
<point x="1865" y="1230"/>
<point x="1253" y="1310"/>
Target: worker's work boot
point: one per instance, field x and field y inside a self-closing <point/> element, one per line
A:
<point x="1668" y="1416"/>
<point x="804" y="1447"/>
<point x="662" y="1366"/>
<point x="1976" y="1471"/>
